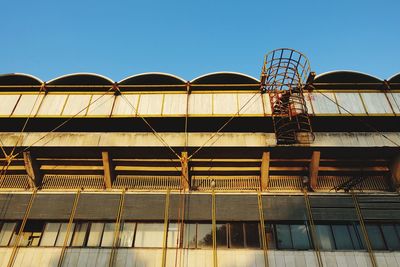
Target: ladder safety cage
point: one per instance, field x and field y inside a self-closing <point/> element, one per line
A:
<point x="283" y="77"/>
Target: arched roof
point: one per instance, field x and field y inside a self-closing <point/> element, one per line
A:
<point x="346" y="76"/>
<point x="394" y="78"/>
<point x="152" y="81"/>
<point x="225" y="80"/>
<point x="346" y="79"/>
<point x="80" y="81"/>
<point x="19" y="79"/>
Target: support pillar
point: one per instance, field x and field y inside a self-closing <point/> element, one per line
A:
<point x="109" y="175"/>
<point x="185" y="171"/>
<point x="33" y="170"/>
<point x="265" y="170"/>
<point x="313" y="169"/>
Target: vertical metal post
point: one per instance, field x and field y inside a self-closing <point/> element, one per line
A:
<point x="262" y="229"/>
<point x="364" y="229"/>
<point x="214" y="230"/>
<point x="117" y="228"/>
<point x="68" y="232"/>
<point x="313" y="231"/>
<point x="166" y="219"/>
<point x="21" y="229"/>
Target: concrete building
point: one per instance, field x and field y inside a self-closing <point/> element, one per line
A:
<point x="155" y="170"/>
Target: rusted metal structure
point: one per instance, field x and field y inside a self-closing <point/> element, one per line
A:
<point x="283" y="77"/>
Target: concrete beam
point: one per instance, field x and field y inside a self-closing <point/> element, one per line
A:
<point x="32" y="169"/>
<point x="96" y="139"/>
<point x="264" y="170"/>
<point x="109" y="175"/>
<point x="185" y="171"/>
<point x="314" y="168"/>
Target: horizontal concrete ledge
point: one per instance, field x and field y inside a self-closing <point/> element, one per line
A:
<point x="103" y="139"/>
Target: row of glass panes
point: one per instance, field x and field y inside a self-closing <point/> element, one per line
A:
<point x="199" y="104"/>
<point x="383" y="236"/>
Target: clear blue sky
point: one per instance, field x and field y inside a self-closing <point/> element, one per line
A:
<point x="190" y="38"/>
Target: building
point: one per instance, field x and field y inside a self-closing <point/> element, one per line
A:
<point x="157" y="171"/>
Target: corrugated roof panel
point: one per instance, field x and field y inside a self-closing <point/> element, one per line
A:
<point x="200" y="104"/>
<point x="126" y="105"/>
<point x="150" y="104"/>
<point x="75" y="104"/>
<point x="225" y="104"/>
<point x="8" y="103"/>
<point x="52" y="105"/>
<point x="251" y="104"/>
<point x="376" y="103"/>
<point x="351" y="102"/>
<point x="322" y="104"/>
<point x="101" y="105"/>
<point x="394" y="99"/>
<point x="175" y="104"/>
<point x="28" y="105"/>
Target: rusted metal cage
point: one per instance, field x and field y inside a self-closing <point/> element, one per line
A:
<point x="283" y="77"/>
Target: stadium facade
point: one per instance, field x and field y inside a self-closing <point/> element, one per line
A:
<point x="223" y="170"/>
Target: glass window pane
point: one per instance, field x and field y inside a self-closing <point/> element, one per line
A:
<point x="356" y="239"/>
<point x="236" y="235"/>
<point x="342" y="237"/>
<point x="32" y="233"/>
<point x="204" y="236"/>
<point x="149" y="235"/>
<point x="325" y="237"/>
<point x="221" y="235"/>
<point x="270" y="235"/>
<point x="79" y="234"/>
<point x="24" y="241"/>
<point x="108" y="235"/>
<point x="375" y="237"/>
<point x="172" y="237"/>
<point x="390" y="235"/>
<point x="284" y="240"/>
<point x="127" y="234"/>
<point x="96" y="230"/>
<point x="189" y="237"/>
<point x="300" y="236"/>
<point x="62" y="234"/>
<point x="6" y="233"/>
<point x="252" y="235"/>
<point x="50" y="234"/>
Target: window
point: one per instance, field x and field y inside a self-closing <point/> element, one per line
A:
<point x="292" y="236"/>
<point x="172" y="238"/>
<point x="236" y="235"/>
<point x="221" y="235"/>
<point x="391" y="236"/>
<point x="31" y="234"/>
<point x="53" y="235"/>
<point x="343" y="238"/>
<point x="96" y="230"/>
<point x="79" y="237"/>
<point x="325" y="237"/>
<point x="127" y="235"/>
<point x="252" y="235"/>
<point x="6" y="232"/>
<point x="189" y="237"/>
<point x="149" y="235"/>
<point x="108" y="235"/>
<point x="204" y="235"/>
